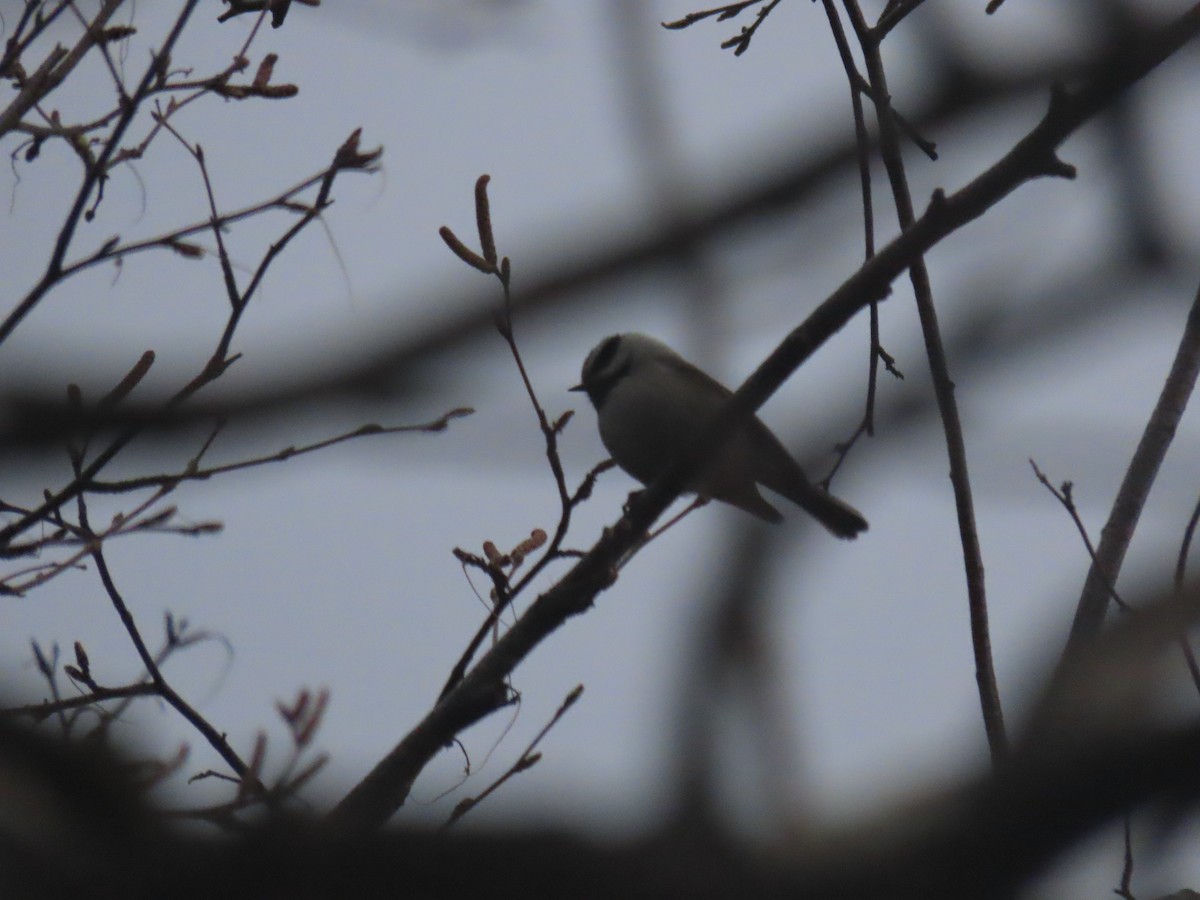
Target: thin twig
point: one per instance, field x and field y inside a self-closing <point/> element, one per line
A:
<point x="215" y="739"/>
<point x="197" y="474"/>
<point x="525" y="761"/>
<point x="654" y="534"/>
<point x="863" y="143"/>
<point x="1126" y="888"/>
<point x="488" y="261"/>
<point x="985" y="675"/>
<point x="125" y="522"/>
<point x="174" y="240"/>
<point x="1180" y="570"/>
<point x="893" y="15"/>
<point x="1065" y="496"/>
<point x="39" y="711"/>
<point x="59" y="63"/>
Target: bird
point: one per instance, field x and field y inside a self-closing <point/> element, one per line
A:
<point x="652" y="404"/>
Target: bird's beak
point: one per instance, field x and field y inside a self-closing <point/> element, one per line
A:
<point x="578" y="387"/>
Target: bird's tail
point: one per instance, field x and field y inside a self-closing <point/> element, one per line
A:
<point x="842" y="519"/>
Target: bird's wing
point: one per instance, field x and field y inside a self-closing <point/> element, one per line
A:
<point x="709" y="389"/>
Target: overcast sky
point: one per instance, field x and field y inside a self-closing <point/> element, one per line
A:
<point x="336" y="569"/>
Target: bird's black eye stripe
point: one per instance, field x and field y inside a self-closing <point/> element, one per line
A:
<point x="605" y="355"/>
<point x="599" y="389"/>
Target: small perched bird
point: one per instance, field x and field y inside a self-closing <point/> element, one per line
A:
<point x="651" y="404"/>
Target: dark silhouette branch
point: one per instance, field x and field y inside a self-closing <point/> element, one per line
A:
<point x="1135" y="488"/>
<point x="482" y="690"/>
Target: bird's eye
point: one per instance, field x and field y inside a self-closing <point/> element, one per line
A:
<point x="604" y="355"/>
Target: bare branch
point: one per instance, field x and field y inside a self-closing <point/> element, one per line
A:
<point x="1135" y="488"/>
<point x="482" y="690"/>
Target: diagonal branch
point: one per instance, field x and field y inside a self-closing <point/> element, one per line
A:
<point x="1131" y="497"/>
<point x="482" y="691"/>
